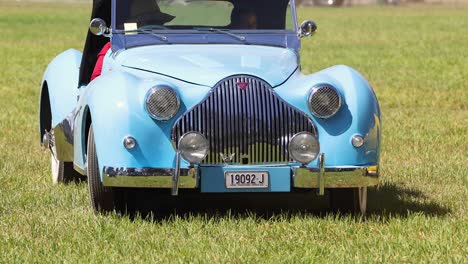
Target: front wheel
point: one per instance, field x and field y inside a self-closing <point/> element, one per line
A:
<point x="349" y="200"/>
<point x="102" y="198"/>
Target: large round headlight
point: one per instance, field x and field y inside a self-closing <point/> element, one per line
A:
<point x="193" y="147"/>
<point x="303" y="147"/>
<point x="162" y="102"/>
<point x="324" y="101"/>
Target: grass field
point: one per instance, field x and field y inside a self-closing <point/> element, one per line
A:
<point x="415" y="58"/>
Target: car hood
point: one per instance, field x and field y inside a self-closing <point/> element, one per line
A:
<point x="208" y="64"/>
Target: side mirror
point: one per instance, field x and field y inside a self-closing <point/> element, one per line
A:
<point x="307" y="29"/>
<point x="98" y="27"/>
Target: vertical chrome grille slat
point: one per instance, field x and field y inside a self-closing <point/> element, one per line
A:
<point x="281" y="131"/>
<point x="209" y="106"/>
<point x="264" y="131"/>
<point x="220" y="121"/>
<point x="268" y="114"/>
<point x="252" y="123"/>
<point x="257" y="143"/>
<point x="248" y="118"/>
<point x="275" y="141"/>
<point x="236" y="115"/>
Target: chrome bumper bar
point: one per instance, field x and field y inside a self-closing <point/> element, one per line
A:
<point x="150" y="178"/>
<point x="342" y="177"/>
<point x="320" y="177"/>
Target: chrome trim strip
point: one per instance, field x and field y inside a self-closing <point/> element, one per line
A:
<point x="347" y="177"/>
<point x="148" y="178"/>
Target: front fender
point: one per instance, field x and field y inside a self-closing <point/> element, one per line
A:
<point x="115" y="102"/>
<point x="60" y="87"/>
<point x="359" y="114"/>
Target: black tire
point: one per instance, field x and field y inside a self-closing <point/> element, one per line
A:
<point x="102" y="198"/>
<point x="349" y="200"/>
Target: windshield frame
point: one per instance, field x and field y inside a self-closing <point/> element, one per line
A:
<point x="277" y="37"/>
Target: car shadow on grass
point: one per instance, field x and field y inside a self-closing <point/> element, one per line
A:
<point x="393" y="200"/>
<point x="160" y="206"/>
<point x="385" y="202"/>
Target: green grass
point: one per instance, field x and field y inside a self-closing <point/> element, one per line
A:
<point x="415" y="58"/>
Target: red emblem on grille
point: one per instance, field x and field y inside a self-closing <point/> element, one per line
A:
<point x="242" y="85"/>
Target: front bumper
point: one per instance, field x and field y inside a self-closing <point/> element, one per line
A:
<point x="281" y="178"/>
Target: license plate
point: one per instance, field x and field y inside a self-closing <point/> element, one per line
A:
<point x="246" y="179"/>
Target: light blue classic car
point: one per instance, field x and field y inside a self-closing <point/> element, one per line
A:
<point x="207" y="95"/>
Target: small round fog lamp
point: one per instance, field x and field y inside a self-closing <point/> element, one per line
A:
<point x="129" y="142"/>
<point x="357" y="141"/>
<point x="304" y="147"/>
<point x="193" y="147"/>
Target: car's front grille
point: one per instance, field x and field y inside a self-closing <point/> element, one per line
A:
<point x="243" y="117"/>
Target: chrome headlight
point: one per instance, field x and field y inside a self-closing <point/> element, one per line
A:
<point x="162" y="102"/>
<point x="304" y="147"/>
<point x="324" y="101"/>
<point x="193" y="147"/>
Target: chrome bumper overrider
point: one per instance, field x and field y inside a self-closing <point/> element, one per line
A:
<point x="342" y="177"/>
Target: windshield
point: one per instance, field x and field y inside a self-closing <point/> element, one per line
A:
<point x="245" y="15"/>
